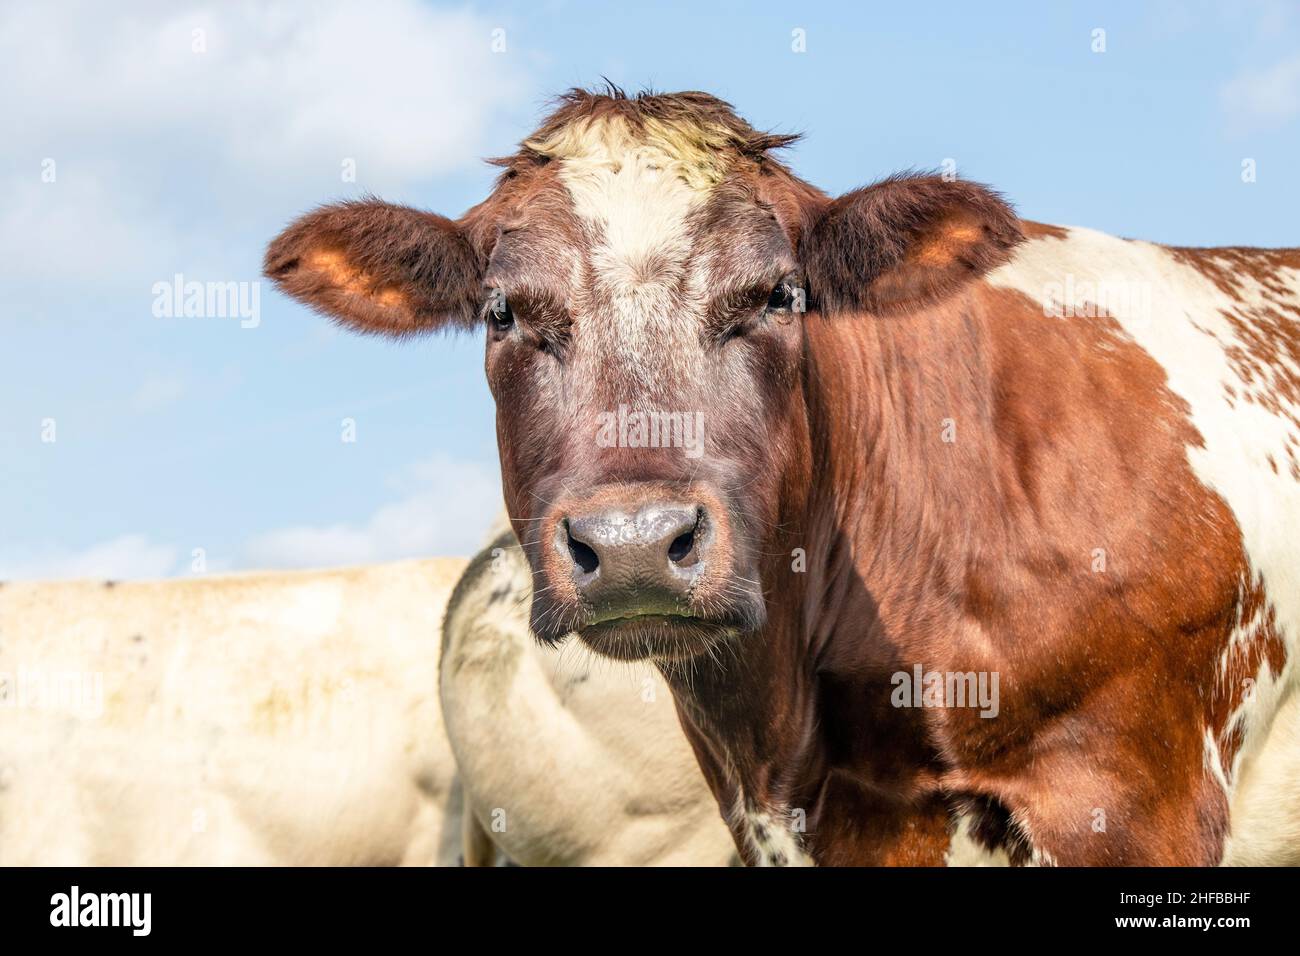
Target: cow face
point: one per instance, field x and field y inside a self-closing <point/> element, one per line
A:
<point x="642" y="271"/>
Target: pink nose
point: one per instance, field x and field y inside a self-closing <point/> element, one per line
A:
<point x="626" y="562"/>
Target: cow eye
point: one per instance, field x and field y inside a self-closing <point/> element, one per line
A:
<point x="786" y="297"/>
<point x="499" y="312"/>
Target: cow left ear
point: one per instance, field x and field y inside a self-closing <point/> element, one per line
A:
<point x="904" y="243"/>
<point x="379" y="268"/>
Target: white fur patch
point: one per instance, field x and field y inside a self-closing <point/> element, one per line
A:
<point x="636" y="193"/>
<point x="770" y="836"/>
<point x="965" y="850"/>
<point x="1266" y="801"/>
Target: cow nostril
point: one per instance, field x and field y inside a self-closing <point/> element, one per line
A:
<point x="682" y="552"/>
<point x="584" y="556"/>
<point x="682" y="546"/>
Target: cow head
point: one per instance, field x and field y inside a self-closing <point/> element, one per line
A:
<point x="643" y="272"/>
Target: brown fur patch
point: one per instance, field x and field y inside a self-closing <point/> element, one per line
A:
<point x="1038" y="230"/>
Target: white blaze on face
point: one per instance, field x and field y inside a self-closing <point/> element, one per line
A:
<point x="1177" y="315"/>
<point x="635" y="190"/>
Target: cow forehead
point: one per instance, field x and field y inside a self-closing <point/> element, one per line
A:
<point x="645" y="198"/>
<point x="638" y="192"/>
<point x="634" y="189"/>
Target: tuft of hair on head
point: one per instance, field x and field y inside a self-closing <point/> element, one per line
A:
<point x="701" y="135"/>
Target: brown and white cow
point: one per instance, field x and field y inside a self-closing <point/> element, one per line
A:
<point x="800" y="451"/>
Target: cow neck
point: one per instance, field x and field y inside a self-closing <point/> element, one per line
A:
<point x="901" y="420"/>
<point x="899" y="412"/>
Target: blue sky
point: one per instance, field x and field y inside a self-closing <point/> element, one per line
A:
<point x="176" y="151"/>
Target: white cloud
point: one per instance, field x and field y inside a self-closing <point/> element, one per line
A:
<point x="1266" y="97"/>
<point x="125" y="557"/>
<point x="445" y="508"/>
<point x="77" y="227"/>
<point x="150" y="135"/>
<point x="442" y="507"/>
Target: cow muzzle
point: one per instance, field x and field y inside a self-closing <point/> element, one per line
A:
<point x="630" y="563"/>
<point x="641" y="571"/>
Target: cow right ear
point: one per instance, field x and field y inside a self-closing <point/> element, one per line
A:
<point x="905" y="243"/>
<point x="379" y="268"/>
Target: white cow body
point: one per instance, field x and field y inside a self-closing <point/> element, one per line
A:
<point x="565" y="758"/>
<point x="284" y="718"/>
